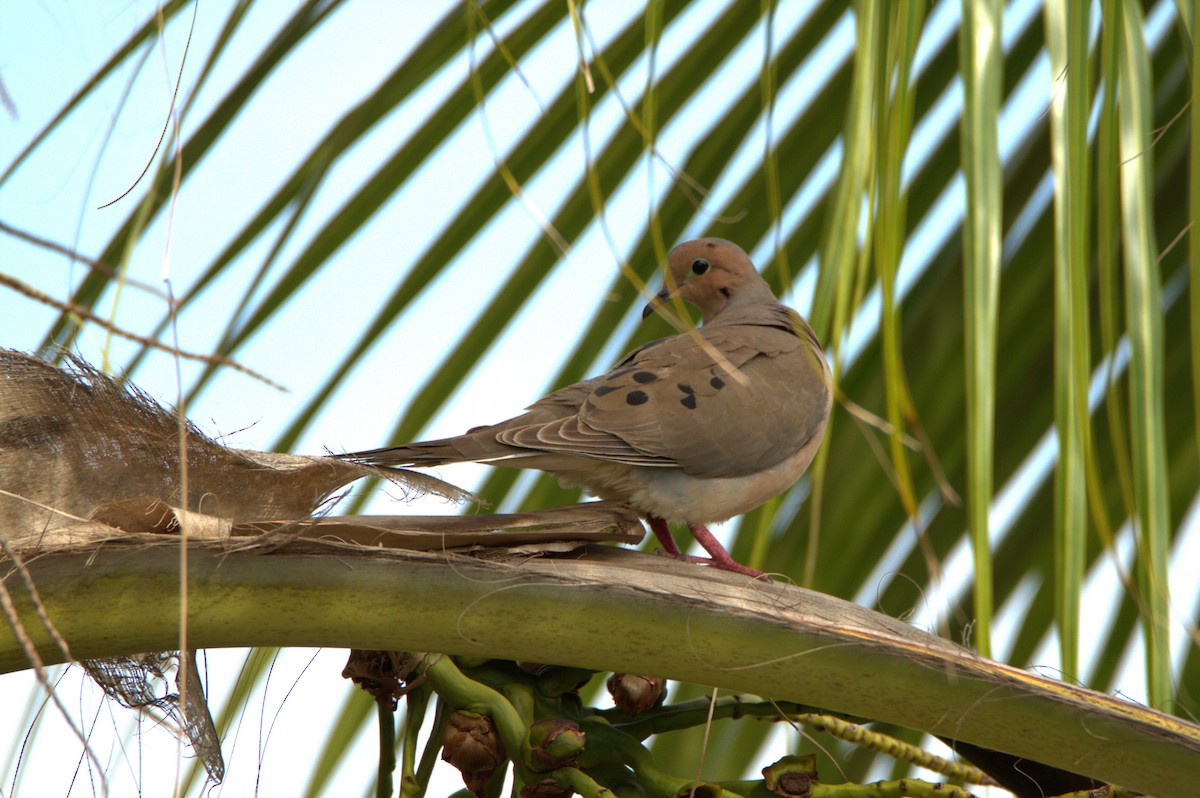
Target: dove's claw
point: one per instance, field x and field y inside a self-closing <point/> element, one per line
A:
<point x="727" y="565"/>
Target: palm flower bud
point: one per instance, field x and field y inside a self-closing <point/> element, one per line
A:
<point x="470" y="743"/>
<point x="635" y="694"/>
<point x="386" y="675"/>
<point x="792" y="776"/>
<point x="554" y="743"/>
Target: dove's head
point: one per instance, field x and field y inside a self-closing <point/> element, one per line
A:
<point x="712" y="274"/>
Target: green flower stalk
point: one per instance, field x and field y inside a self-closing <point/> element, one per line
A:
<point x="547" y="787"/>
<point x="792" y="776"/>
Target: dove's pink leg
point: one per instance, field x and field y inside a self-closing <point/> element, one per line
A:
<point x="720" y="557"/>
<point x="663" y="532"/>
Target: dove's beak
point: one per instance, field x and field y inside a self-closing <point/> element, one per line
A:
<point x="660" y="299"/>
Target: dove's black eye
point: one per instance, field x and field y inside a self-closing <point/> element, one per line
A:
<point x="699" y="266"/>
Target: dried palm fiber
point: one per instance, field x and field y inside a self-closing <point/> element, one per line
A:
<point x="75" y="439"/>
<point x="75" y="443"/>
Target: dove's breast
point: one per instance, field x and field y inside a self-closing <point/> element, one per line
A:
<point x="671" y="494"/>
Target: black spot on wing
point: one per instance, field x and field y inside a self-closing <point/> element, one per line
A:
<point x="636" y="398"/>
<point x="683" y="386"/>
<point x="644" y="377"/>
<point x="604" y="389"/>
<point x="689" y="401"/>
<point x="717" y="383"/>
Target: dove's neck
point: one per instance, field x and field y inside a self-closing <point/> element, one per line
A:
<point x="750" y="303"/>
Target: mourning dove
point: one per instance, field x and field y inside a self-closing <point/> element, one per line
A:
<point x="698" y="427"/>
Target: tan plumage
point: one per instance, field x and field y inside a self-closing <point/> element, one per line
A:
<point x="698" y="427"/>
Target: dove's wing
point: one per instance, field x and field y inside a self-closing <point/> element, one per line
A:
<point x="728" y="400"/>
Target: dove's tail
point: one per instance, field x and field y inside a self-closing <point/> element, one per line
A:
<point x="421" y="455"/>
<point x="467" y="448"/>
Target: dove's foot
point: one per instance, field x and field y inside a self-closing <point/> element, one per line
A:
<point x="719" y="557"/>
